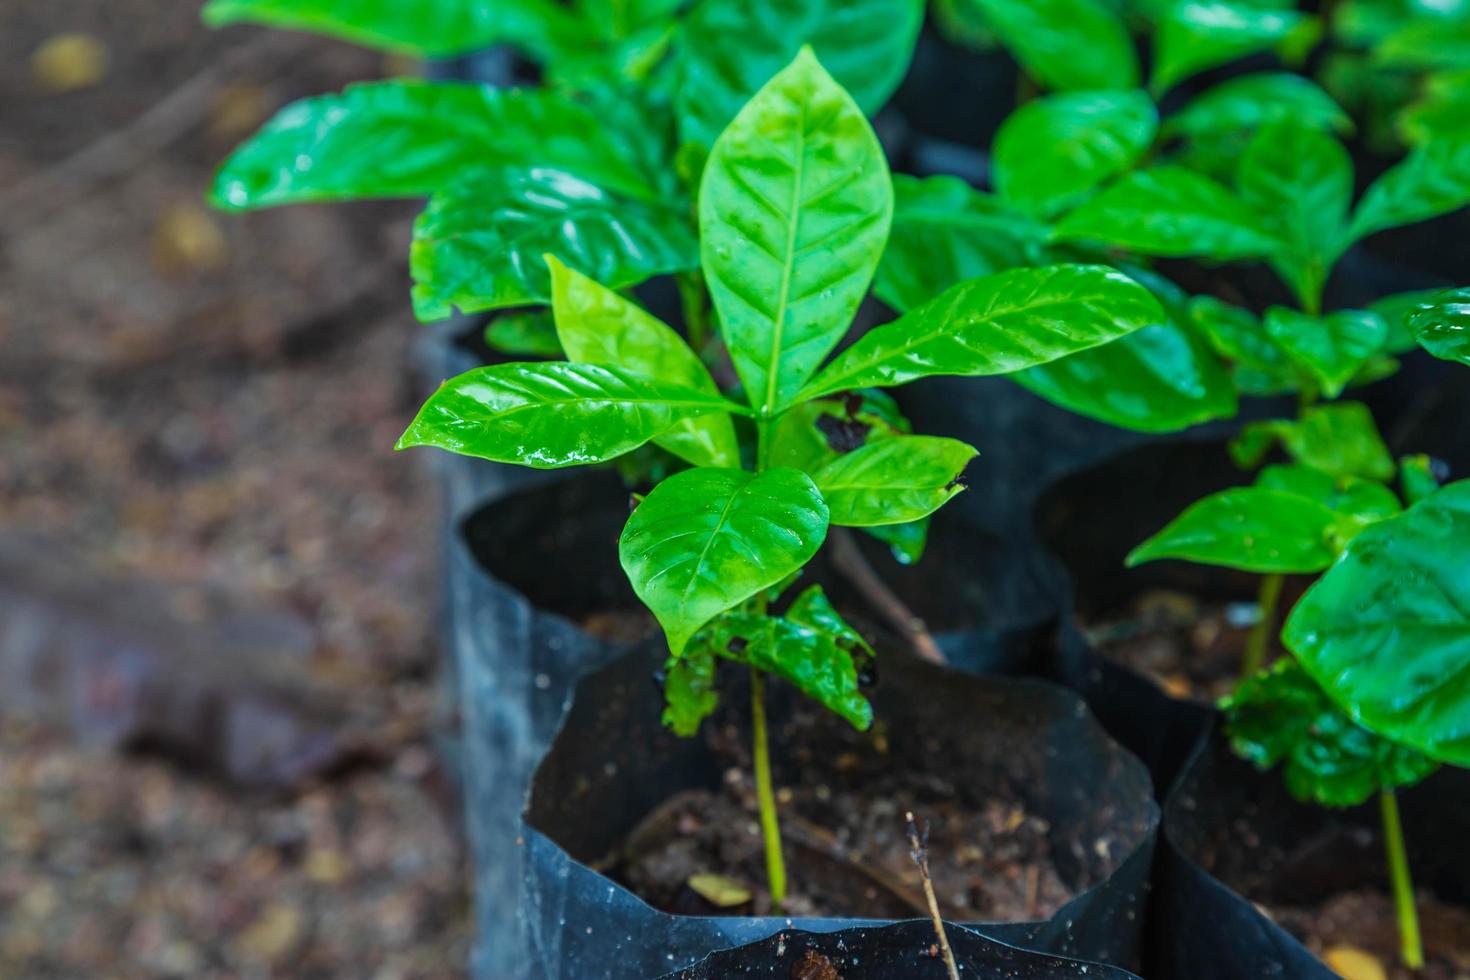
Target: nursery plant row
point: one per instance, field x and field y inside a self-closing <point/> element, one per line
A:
<point x="838" y="399"/>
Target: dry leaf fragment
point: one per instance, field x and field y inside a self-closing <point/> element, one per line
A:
<point x="719" y="890"/>
<point x="66" y="62"/>
<point x="1354" y="963"/>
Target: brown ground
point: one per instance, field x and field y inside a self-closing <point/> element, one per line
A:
<point x="207" y="400"/>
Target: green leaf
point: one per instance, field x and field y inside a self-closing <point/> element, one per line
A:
<point x="478" y="245"/>
<point x="813" y="610"/>
<point x="793" y="214"/>
<point x="549" y="415"/>
<point x="729" y="48"/>
<point x="1442" y="111"/>
<point x="1332" y="348"/>
<point x="411" y="138"/>
<point x="1172" y="212"/>
<point x="905" y="541"/>
<point x="529" y="333"/>
<point x="597" y="326"/>
<point x="996" y="324"/>
<point x="944" y="232"/>
<point x="1434" y="179"/>
<point x="432" y="29"/>
<point x="812" y="434"/>
<point x="1396" y="310"/>
<point x="1281" y="717"/>
<point x="1386" y="631"/>
<point x="893" y="481"/>
<point x="1417" y="477"/>
<point x="1055" y="149"/>
<point x="705" y="540"/>
<point x="1195" y="35"/>
<point x="1426" y="43"/>
<point x="1249" y="102"/>
<point x="1065" y="44"/>
<point x="689" y="690"/>
<point x="1442" y="325"/>
<point x="1300" y="181"/>
<point x="1253" y="529"/>
<point x="813" y="660"/>
<point x="1357" y="501"/>
<point x="1161" y="378"/>
<point x="1339" y="439"/>
<point x="1261" y="366"/>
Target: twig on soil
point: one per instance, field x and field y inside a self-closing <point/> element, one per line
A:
<point x="849" y="561"/>
<point x="919" y="851"/>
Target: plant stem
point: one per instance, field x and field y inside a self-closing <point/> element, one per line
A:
<point x="1411" y="946"/>
<point x="1255" y="645"/>
<point x="770" y="824"/>
<point x="919" y="851"/>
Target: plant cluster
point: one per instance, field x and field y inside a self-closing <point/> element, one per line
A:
<point x="706" y="140"/>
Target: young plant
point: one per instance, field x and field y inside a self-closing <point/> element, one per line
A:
<point x="794" y="210"/>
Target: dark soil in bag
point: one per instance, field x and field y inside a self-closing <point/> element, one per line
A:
<point x="903" y="951"/>
<point x="1255" y="883"/>
<point x="1020" y="786"/>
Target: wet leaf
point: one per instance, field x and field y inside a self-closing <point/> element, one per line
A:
<point x="1386" y="631"/>
<point x="944" y="232"/>
<point x="1280" y="717"/>
<point x="1172" y="212"/>
<point x="1253" y="529"/>
<point x="1396" y="310"/>
<point x="995" y="324"/>
<point x="1433" y="179"/>
<point x="905" y="541"/>
<point x="1055" y="149"/>
<point x="427" y="28"/>
<point x="1442" y="325"/>
<point x="793" y="214"/>
<point x="689" y="690"/>
<point x="893" y="481"/>
<point x="719" y="890"/>
<point x="1065" y="44"/>
<point x="478" y="244"/>
<point x="1261" y="366"/>
<point x="1358" y="502"/>
<point x="548" y="415"/>
<point x="1332" y="349"/>
<point x="597" y="326"/>
<point x="705" y="540"/>
<point x="812" y="434"/>
<point x="411" y="138"/>
<point x="1251" y="101"/>
<point x="730" y="48"/>
<point x="1196" y="35"/>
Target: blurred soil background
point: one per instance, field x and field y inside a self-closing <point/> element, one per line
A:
<point x="216" y="579"/>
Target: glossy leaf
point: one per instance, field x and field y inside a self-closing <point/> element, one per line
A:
<point x="429" y="28"/>
<point x="1300" y="181"/>
<point x="1281" y="717"/>
<point x="1253" y="529"/>
<point x="689" y="690"/>
<point x="1434" y="179"/>
<point x="597" y="326"/>
<point x="1251" y="101"/>
<point x="793" y="214"/>
<point x="1339" y="439"/>
<point x="729" y="48"/>
<point x="906" y="542"/>
<point x="944" y="232"/>
<point x="1332" y="348"/>
<point x="1261" y="366"/>
<point x="809" y="658"/>
<point x="813" y="610"/>
<point x="705" y="540"/>
<point x="547" y="415"/>
<point x="1442" y="325"/>
<point x="1195" y="35"/>
<point x="1169" y="211"/>
<point x="1386" y="631"/>
<point x="1357" y="501"/>
<point x="528" y="333"/>
<point x="1161" y="378"/>
<point x="1396" y="310"/>
<point x="812" y="434"/>
<point x="411" y="138"/>
<point x="1055" y="149"/>
<point x="1065" y="44"/>
<point x="478" y="245"/>
<point x="893" y="481"/>
<point x="996" y="324"/>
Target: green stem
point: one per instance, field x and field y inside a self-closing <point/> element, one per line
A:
<point x="770" y="824"/>
<point x="1411" y="946"/>
<point x="1255" y="645"/>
